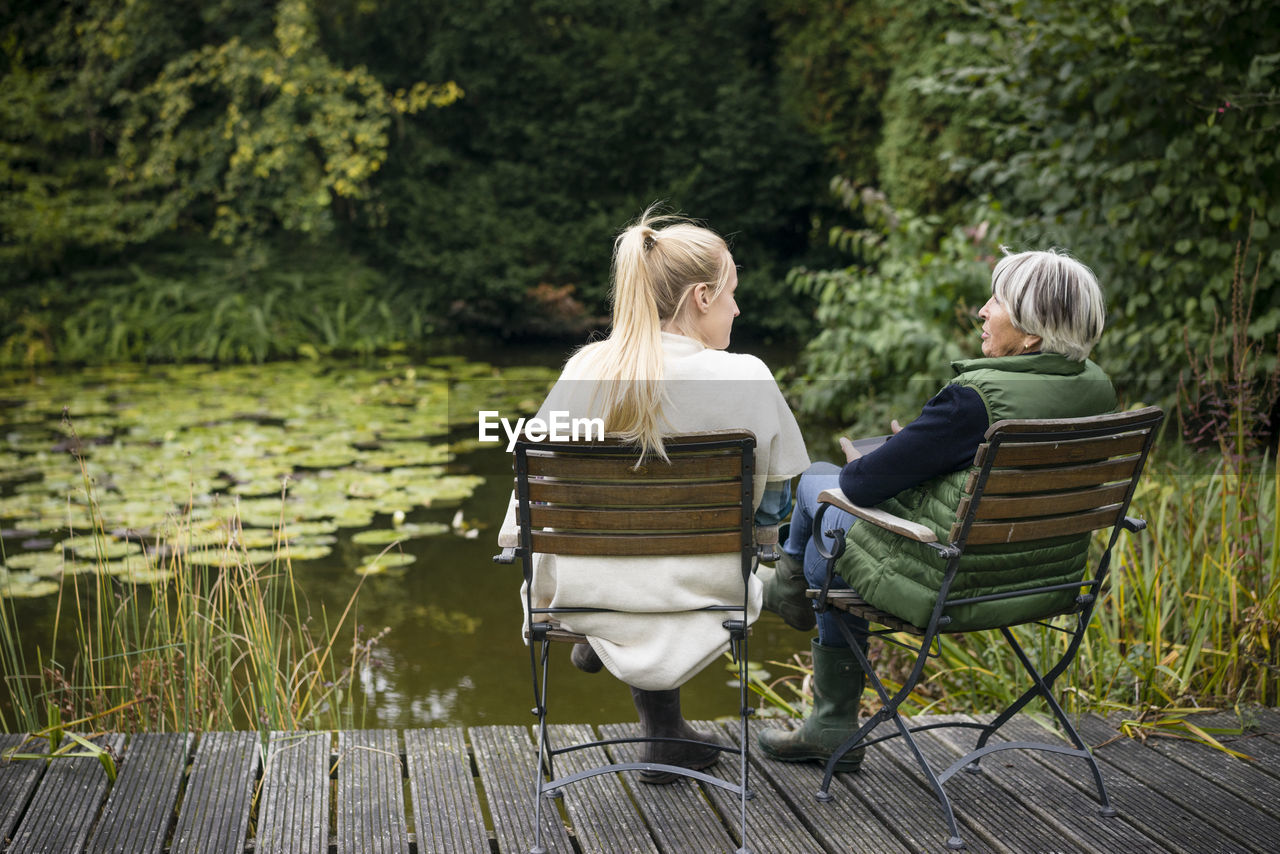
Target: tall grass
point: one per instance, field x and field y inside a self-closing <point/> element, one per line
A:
<point x="227" y="644"/>
<point x="1190" y="617"/>
<point x="201" y="306"/>
<point x="1194" y="609"/>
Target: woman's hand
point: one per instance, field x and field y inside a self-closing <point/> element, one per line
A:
<point x="850" y="452"/>
<point x="895" y="427"/>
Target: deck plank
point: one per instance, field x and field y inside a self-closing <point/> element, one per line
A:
<point x="18" y="780"/>
<point x="1172" y="794"/>
<point x="899" y="797"/>
<point x="1251" y="781"/>
<point x="370" y="800"/>
<point x="139" y="811"/>
<point x="293" y="807"/>
<point x="1073" y="809"/>
<point x="505" y="758"/>
<point x="835" y="823"/>
<point x="1198" y="795"/>
<point x="677" y="814"/>
<point x="1264" y="720"/>
<point x="987" y="810"/>
<point x="1148" y="810"/>
<point x="446" y="805"/>
<point x="1257" y="740"/>
<point x="214" y="815"/>
<point x="771" y="823"/>
<point x="599" y="808"/>
<point x="65" y="804"/>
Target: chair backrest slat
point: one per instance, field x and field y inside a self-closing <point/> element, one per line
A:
<point x="632" y="495"/>
<point x="1067" y="451"/>
<point x="626" y="519"/>
<point x="591" y="498"/>
<point x="1049" y="504"/>
<point x="990" y="533"/>
<point x="1020" y="481"/>
<point x="634" y="546"/>
<point x="1040" y="479"/>
<point x="681" y="467"/>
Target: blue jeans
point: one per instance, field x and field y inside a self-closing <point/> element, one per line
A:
<point x="800" y="545"/>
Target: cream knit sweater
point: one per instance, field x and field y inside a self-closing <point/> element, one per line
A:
<point x="660" y="641"/>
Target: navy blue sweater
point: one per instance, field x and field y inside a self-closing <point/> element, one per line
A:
<point x="941" y="440"/>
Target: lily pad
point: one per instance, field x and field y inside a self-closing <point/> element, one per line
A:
<point x="45" y="562"/>
<point x="376" y="564"/>
<point x="307" y="551"/>
<point x="309" y="528"/>
<point x="213" y="557"/>
<point x="386" y="536"/>
<point x="91" y="547"/>
<point x="140" y="573"/>
<point x="260" y="487"/>
<point x="24" y="585"/>
<point x="182" y="455"/>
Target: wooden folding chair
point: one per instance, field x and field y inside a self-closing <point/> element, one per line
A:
<point x="1032" y="480"/>
<point x="591" y="498"/>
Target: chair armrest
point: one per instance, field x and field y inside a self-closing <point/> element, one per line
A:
<point x="507" y="555"/>
<point x="1134" y="524"/>
<point x="888" y="521"/>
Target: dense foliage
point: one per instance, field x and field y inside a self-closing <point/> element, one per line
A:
<point x="459" y="163"/>
<point x="1140" y="135"/>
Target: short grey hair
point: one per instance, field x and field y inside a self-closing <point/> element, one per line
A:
<point x="1052" y="295"/>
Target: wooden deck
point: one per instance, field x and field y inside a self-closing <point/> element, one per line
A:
<point x="466" y="790"/>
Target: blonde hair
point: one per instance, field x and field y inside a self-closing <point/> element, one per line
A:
<point x="1052" y="295"/>
<point x="657" y="262"/>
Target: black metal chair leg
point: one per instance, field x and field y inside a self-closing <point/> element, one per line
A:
<point x="744" y="711"/>
<point x="1105" y="807"/>
<point x="1042" y="686"/>
<point x="544" y="756"/>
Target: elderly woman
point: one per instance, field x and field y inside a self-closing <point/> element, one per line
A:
<point x="1045" y="313"/>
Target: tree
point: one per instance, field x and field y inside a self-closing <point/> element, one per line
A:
<point x="578" y="115"/>
<point x="126" y="121"/>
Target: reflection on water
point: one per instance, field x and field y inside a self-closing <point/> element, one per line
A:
<point x="362" y="448"/>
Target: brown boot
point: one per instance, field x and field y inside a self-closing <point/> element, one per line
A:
<point x="585" y="659"/>
<point x="660" y="718"/>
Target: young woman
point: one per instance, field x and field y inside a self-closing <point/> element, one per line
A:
<point x="662" y="370"/>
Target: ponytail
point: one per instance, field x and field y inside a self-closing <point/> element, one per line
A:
<point x="656" y="263"/>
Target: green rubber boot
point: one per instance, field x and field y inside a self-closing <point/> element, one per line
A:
<point x="784" y="588"/>
<point x="837" y="693"/>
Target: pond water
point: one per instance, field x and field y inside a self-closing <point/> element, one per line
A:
<point x="367" y="453"/>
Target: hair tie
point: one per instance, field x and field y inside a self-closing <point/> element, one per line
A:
<point x="649" y="240"/>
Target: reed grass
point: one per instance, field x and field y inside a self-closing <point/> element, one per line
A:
<point x="230" y="644"/>
<point x="1190" y="618"/>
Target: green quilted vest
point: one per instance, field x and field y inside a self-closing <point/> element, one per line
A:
<point x="901" y="576"/>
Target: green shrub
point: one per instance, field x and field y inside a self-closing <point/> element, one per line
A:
<point x="892" y="321"/>
<point x="1140" y="135"/>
